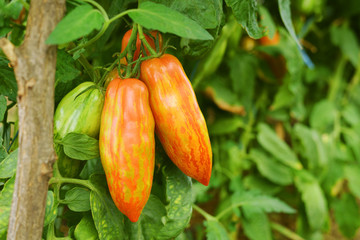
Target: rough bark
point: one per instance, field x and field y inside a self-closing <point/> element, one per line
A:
<point x="34" y="65"/>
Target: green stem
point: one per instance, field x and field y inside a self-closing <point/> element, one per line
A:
<point x="203" y="213"/>
<point x="94" y="75"/>
<point x="61" y="180"/>
<point x="286" y="232"/>
<point x="354" y="80"/>
<point x="143" y="40"/>
<point x="122" y="14"/>
<point x="335" y="83"/>
<point x="101" y="9"/>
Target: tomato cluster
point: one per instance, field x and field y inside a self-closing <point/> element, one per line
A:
<point x="161" y="101"/>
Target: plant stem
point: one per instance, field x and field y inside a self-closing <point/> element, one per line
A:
<point x="101" y="9"/>
<point x="203" y="213"/>
<point x="286" y="232"/>
<point x="94" y="75"/>
<point x="61" y="180"/>
<point x="335" y="83"/>
<point x="143" y="40"/>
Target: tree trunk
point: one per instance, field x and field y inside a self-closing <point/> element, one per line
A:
<point x="34" y="64"/>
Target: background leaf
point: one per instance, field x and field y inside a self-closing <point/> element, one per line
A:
<point x="8" y="85"/>
<point x="159" y="17"/>
<point x="51" y="209"/>
<point x="277" y="147"/>
<point x="285" y="13"/>
<point x="215" y="231"/>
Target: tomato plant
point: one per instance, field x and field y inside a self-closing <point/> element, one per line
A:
<point x="196" y="120"/>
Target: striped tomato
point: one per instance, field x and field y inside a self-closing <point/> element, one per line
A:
<point x="180" y="125"/>
<point x="127" y="145"/>
<point x="80" y="112"/>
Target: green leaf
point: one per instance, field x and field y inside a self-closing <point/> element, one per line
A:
<point x="207" y="13"/>
<point x="215" y="230"/>
<point x="277" y="147"/>
<point x="312" y="146"/>
<point x="92" y="166"/>
<point x="225" y="125"/>
<point x="86" y="230"/>
<point x="283" y="98"/>
<point x="13" y="9"/>
<point x="262" y="203"/>
<point x="51" y="209"/>
<point x="109" y="221"/>
<point x="323" y="116"/>
<point x="159" y="17"/>
<point x="80" y="146"/>
<point x="3" y="106"/>
<point x="78" y="199"/>
<point x="256" y="224"/>
<point x="245" y="12"/>
<point x="8" y="85"/>
<point x="271" y="168"/>
<point x="352" y="173"/>
<point x="8" y="166"/>
<point x="5" y="204"/>
<point x="179" y="202"/>
<point x="285" y="13"/>
<point x="347" y="215"/>
<point x="345" y="38"/>
<point x="65" y="73"/>
<point x="79" y="22"/>
<point x="313" y="198"/>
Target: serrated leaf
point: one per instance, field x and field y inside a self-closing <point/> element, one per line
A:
<point x="347" y="214"/>
<point x="50" y="209"/>
<point x="78" y="199"/>
<point x="285" y="13"/>
<point x="313" y="198"/>
<point x="271" y="168"/>
<point x="245" y="12"/>
<point x="215" y="230"/>
<point x="8" y="166"/>
<point x="259" y="202"/>
<point x="159" y="17"/>
<point x="277" y="147"/>
<point x="80" y="146"/>
<point x="79" y="22"/>
<point x="86" y="230"/>
<point x="5" y="204"/>
<point x="109" y="221"/>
